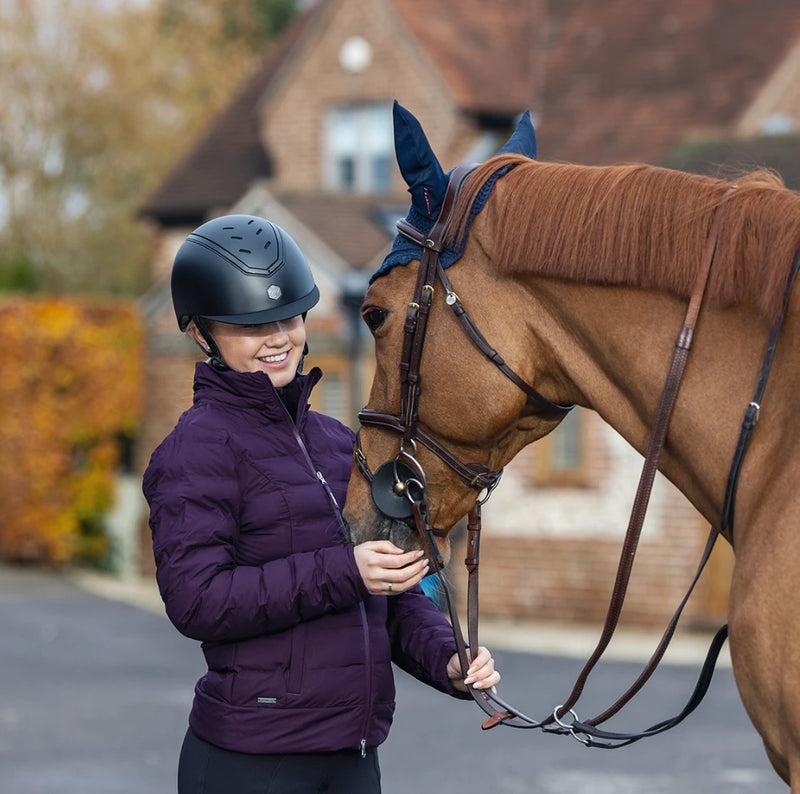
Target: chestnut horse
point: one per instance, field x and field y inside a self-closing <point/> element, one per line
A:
<point x="579" y="276"/>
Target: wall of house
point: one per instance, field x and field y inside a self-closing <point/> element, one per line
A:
<point x="551" y="553"/>
<point x="169" y="375"/>
<point x="315" y="80"/>
<point x="776" y="108"/>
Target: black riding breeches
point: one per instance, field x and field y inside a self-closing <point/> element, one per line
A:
<point x="207" y="769"/>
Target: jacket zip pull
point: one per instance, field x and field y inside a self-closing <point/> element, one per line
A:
<point x="325" y="485"/>
<point x="363" y="748"/>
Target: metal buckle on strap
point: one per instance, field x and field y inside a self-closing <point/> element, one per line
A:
<point x="570" y="726"/>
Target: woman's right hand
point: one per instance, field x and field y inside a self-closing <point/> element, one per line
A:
<point x="387" y="569"/>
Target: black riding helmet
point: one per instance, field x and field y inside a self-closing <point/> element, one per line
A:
<point x="240" y="269"/>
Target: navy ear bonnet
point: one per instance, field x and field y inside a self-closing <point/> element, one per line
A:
<point x="427" y="184"/>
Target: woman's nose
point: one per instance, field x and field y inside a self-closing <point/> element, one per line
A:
<point x="276" y="333"/>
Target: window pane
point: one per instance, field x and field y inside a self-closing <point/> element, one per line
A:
<point x="359" y="146"/>
<point x="566" y="444"/>
<point x="342" y="131"/>
<point x="347" y="173"/>
<point x="377" y="129"/>
<point x="381" y="181"/>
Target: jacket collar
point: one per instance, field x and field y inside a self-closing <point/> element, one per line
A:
<point x="251" y="389"/>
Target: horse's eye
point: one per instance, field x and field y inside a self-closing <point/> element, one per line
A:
<point x="374" y="317"/>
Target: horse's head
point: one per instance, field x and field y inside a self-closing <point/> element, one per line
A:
<point x="446" y="412"/>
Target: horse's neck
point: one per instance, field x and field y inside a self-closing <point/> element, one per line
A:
<point x="615" y="346"/>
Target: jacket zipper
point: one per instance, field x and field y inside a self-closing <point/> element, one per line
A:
<point x="368" y="655"/>
<point x="362" y="608"/>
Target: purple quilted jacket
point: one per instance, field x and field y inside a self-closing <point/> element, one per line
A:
<point x="252" y="561"/>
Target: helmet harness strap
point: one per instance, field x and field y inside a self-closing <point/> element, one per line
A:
<point x="215" y="357"/>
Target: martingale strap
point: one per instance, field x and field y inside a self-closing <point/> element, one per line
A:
<point x="658" y="436"/>
<point x="753" y="410"/>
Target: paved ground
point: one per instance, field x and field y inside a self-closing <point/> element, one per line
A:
<point x="96" y="685"/>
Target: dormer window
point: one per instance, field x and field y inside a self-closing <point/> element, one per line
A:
<point x="358" y="148"/>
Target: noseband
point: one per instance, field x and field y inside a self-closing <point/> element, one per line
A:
<point x="399" y="483"/>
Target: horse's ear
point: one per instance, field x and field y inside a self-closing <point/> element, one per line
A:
<point x="418" y="164"/>
<point x="523" y="139"/>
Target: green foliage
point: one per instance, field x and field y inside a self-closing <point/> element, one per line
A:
<point x="17" y="273"/>
<point x="274" y="15"/>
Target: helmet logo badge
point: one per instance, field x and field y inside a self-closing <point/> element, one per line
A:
<point x="274" y="292"/>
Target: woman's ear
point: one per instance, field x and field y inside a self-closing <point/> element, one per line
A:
<point x="198" y="337"/>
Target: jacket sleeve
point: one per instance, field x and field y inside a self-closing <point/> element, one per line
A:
<point x="422" y="640"/>
<point x="193" y="498"/>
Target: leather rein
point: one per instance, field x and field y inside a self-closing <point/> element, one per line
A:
<point x="399" y="487"/>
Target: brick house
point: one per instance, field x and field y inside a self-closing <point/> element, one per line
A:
<point x="306" y="141"/>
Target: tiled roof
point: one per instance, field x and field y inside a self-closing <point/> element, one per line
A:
<point x="483" y="50"/>
<point x="626" y="80"/>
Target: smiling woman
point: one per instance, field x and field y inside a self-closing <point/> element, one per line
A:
<point x="299" y="627"/>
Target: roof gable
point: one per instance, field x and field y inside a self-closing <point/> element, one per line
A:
<point x="230" y="155"/>
<point x="481" y="51"/>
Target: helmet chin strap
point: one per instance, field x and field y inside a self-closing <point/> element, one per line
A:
<point x="302" y="359"/>
<point x="215" y="357"/>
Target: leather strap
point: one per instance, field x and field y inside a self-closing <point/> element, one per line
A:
<point x="658" y="435"/>
<point x="753" y="411"/>
<point x="475" y="475"/>
<point x="545" y="408"/>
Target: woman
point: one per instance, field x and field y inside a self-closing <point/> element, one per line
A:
<point x="299" y="628"/>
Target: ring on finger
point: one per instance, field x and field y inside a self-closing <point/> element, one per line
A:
<point x="389" y="585"/>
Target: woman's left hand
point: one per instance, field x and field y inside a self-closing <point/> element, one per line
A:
<point x="481" y="673"/>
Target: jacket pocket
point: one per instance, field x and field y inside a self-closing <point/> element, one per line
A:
<point x="297" y="661"/>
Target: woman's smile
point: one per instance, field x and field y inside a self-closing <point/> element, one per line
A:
<point x="273" y="348"/>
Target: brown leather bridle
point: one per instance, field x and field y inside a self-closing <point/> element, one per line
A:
<point x="405" y="471"/>
<point x="399" y="486"/>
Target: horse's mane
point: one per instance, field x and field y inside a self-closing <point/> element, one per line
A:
<point x="640" y="226"/>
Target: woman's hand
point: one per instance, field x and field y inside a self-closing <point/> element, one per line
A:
<point x="387" y="569"/>
<point x="481" y="673"/>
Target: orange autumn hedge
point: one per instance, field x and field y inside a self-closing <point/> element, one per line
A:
<point x="70" y="388"/>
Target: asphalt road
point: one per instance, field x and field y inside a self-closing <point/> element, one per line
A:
<point x="94" y="695"/>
